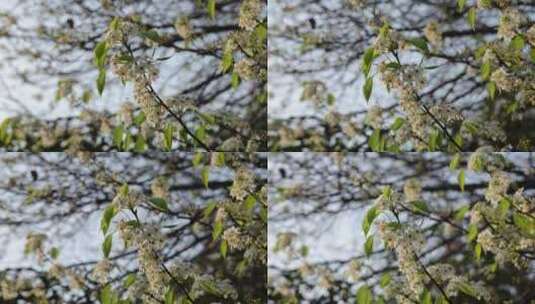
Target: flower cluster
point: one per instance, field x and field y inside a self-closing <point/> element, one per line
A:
<point x="183" y="28"/>
<point x="101" y="271"/>
<point x="127" y="198"/>
<point x="244" y="182"/>
<point x="388" y="199"/>
<point x="249" y="11"/>
<point x="160" y="188"/>
<point x="432" y="33"/>
<point x="235" y="239"/>
<point x="510" y="22"/>
<point x="406" y="242"/>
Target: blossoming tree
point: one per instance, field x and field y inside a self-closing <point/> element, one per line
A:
<point x="407" y="228"/>
<point x="404" y="75"/>
<point x="134" y="75"/>
<point x="166" y="228"/>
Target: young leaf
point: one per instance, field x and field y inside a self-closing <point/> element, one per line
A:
<point x="420" y="43"/>
<point x="459" y="214"/>
<point x="460" y="179"/>
<point x="101" y="81"/>
<point x="477" y="252"/>
<point x="106" y="246"/>
<point x="107" y="216"/>
<point x="368" y="219"/>
<point x="461" y="4"/>
<point x="168" y="136"/>
<point x="367" y="60"/>
<point x="218" y="228"/>
<point x="472" y="15"/>
<point x="454" y="163"/>
<point x="375" y="141"/>
<point x="485" y="70"/>
<point x="518" y="42"/>
<point x="398" y="123"/>
<point x="467" y="289"/>
<point x="364" y="295"/>
<point x="367" y="88"/>
<point x="169" y="296"/>
<point x="420" y="207"/>
<point x="100" y="52"/>
<point x="211" y="8"/>
<point x="210" y="207"/>
<point x="368" y="245"/>
<point x="129" y="280"/>
<point x="385" y="280"/>
<point x="472" y="232"/>
<point x="426" y="298"/>
<point x="223" y="248"/>
<point x="159" y="203"/>
<point x="491" y="90"/>
<point x="205" y="175"/>
<point x="525" y="223"/>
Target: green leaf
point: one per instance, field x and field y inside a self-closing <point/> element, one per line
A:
<point x="460" y="179"/>
<point x="159" y="203"/>
<point x="205" y="175"/>
<point x="216" y="232"/>
<point x="106" y="246"/>
<point x="169" y="296"/>
<point x="152" y="35"/>
<point x="459" y="214"/>
<point x="101" y="81"/>
<point x="467" y="289"/>
<point x="477" y="252"/>
<point x="518" y="42"/>
<point x="141" y="144"/>
<point x="227" y="61"/>
<point x="219" y="159"/>
<point x="197" y="159"/>
<point x="485" y="70"/>
<point x="106" y="295"/>
<point x="235" y="80"/>
<point x="367" y="60"/>
<point x="368" y="245"/>
<point x="434" y="140"/>
<point x="168" y="136"/>
<point x="100" y="52"/>
<point x="461" y="4"/>
<point x="129" y="280"/>
<point x="472" y="232"/>
<point x="454" y="163"/>
<point x="364" y="295"/>
<point x="420" y="207"/>
<point x="211" y="8"/>
<point x="491" y="89"/>
<point x="503" y="207"/>
<point x="367" y="88"/>
<point x="250" y="202"/>
<point x="223" y="248"/>
<point x="426" y="297"/>
<point x="118" y="133"/>
<point x="107" y="216"/>
<point x="139" y="119"/>
<point x="210" y="207"/>
<point x="54" y="253"/>
<point x="385" y="280"/>
<point x="368" y="219"/>
<point x="472" y="15"/>
<point x="525" y="224"/>
<point x="398" y="123"/>
<point x="420" y="43"/>
<point x="375" y="142"/>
